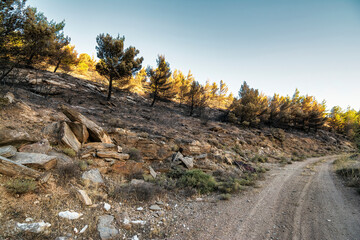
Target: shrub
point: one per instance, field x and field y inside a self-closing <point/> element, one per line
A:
<point x="176" y="173"/>
<point x="225" y="196"/>
<point x="138" y="192"/>
<point x="83" y="165"/>
<point x="135" y="154"/>
<point x="68" y="172"/>
<point x="230" y="186"/>
<point x="199" y="180"/>
<point x="69" y="151"/>
<point x="20" y="186"/>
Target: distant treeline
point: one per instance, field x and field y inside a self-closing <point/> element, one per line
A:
<point x="28" y="38"/>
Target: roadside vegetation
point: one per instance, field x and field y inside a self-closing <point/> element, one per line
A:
<point x="348" y="167"/>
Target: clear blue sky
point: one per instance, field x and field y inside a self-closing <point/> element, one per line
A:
<point x="275" y="45"/>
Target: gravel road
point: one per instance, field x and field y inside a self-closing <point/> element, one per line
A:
<point x="304" y="200"/>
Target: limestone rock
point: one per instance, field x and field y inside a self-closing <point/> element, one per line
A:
<point x="106" y="228"/>
<point x="155" y="208"/>
<point x="70" y="215"/>
<point x="35" y="160"/>
<point x="62" y="159"/>
<point x="68" y="138"/>
<point x="93" y="175"/>
<point x="79" y="131"/>
<point x="109" y="154"/>
<point x="7" y="151"/>
<point x="96" y="132"/>
<point x="84" y="197"/>
<point x="152" y="172"/>
<point x="10" y="136"/>
<point x="40" y="147"/>
<point x="187" y="161"/>
<point x="10" y="168"/>
<point x="10" y="97"/>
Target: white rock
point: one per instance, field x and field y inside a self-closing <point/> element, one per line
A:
<point x="135" y="238"/>
<point x="29" y="219"/>
<point x="33" y="227"/>
<point x="107" y="206"/>
<point x="84" y="229"/>
<point x="138" y="222"/>
<point x="140" y="209"/>
<point x="126" y="221"/>
<point x="76" y="230"/>
<point x="70" y="215"/>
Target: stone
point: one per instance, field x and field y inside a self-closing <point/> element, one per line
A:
<point x="107" y="206"/>
<point x="10" y="97"/>
<point x="40" y="147"/>
<point x="98" y="145"/>
<point x="106" y="227"/>
<point x="201" y="156"/>
<point x="62" y="159"/>
<point x="68" y="138"/>
<point x="84" y="229"/>
<point x="152" y="172"/>
<point x="127" y="168"/>
<point x="138" y="222"/>
<point x="119" y="149"/>
<point x="97" y="134"/>
<point x="70" y="215"/>
<point x="93" y="175"/>
<point x="10" y="168"/>
<point x="109" y="154"/>
<point x="155" y="208"/>
<point x="80" y="131"/>
<point x="7" y="151"/>
<point x="10" y="136"/>
<point x="35" y="160"/>
<point x="37" y="227"/>
<point x="137" y="181"/>
<point x="149" y="149"/>
<point x="83" y="197"/>
<point x="140" y="209"/>
<point x="188" y="161"/>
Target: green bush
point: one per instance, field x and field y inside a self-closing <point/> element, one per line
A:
<point x="225" y="196"/>
<point x="69" y="151"/>
<point x="135" y="154"/>
<point x="199" y="180"/>
<point x="230" y="186"/>
<point x="20" y="186"/>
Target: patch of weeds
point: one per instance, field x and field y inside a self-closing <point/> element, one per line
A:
<point x="230" y="186"/>
<point x="83" y="165"/>
<point x="20" y="185"/>
<point x="135" y="154"/>
<point x="348" y="169"/>
<point x="199" y="180"/>
<point x="259" y="158"/>
<point x="225" y="196"/>
<point x="176" y="173"/>
<point x="116" y="123"/>
<point x="139" y="192"/>
<point x="165" y="182"/>
<point x="136" y="175"/>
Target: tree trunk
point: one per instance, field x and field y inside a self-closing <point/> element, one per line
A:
<point x="154" y="99"/>
<point x="110" y="89"/>
<point x="29" y="61"/>
<point x="57" y="65"/>
<point x="7" y="72"/>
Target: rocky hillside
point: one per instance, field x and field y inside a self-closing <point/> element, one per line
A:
<point x="75" y="166"/>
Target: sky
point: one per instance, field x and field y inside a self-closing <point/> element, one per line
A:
<point x="275" y="46"/>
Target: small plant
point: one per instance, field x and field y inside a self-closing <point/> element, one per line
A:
<point x="138" y="192"/>
<point x="225" y="196"/>
<point x="83" y="165"/>
<point x="68" y="172"/>
<point x="69" y="151"/>
<point x="199" y="180"/>
<point x="230" y="186"/>
<point x="20" y="186"/>
<point x="259" y="158"/>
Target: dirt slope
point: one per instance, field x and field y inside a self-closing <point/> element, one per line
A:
<point x="303" y="201"/>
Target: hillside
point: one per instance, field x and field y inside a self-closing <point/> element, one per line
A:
<point x="141" y="139"/>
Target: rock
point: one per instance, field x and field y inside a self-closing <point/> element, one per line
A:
<point x="155" y="208"/>
<point x="7" y="151"/>
<point x="106" y="228"/>
<point x="84" y="197"/>
<point x="70" y="215"/>
<point x="10" y="137"/>
<point x="149" y="149"/>
<point x="98" y="146"/>
<point x="33" y="227"/>
<point x="119" y="149"/>
<point x="152" y="172"/>
<point x="127" y="168"/>
<point x="93" y="175"/>
<point x="187" y="161"/>
<point x="80" y="131"/>
<point x="62" y="159"/>
<point x="10" y="97"/>
<point x="84" y="229"/>
<point x="10" y="168"/>
<point x="40" y="147"/>
<point x="138" y="222"/>
<point x="68" y="138"/>
<point x="135" y="237"/>
<point x="201" y="156"/>
<point x="52" y="129"/>
<point x="140" y="209"/>
<point x="107" y="206"/>
<point x="137" y="181"/>
<point x="35" y="160"/>
<point x="108" y="154"/>
<point x="96" y="133"/>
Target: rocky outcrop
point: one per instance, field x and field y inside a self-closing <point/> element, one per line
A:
<point x="40" y="147"/>
<point x="10" y="168"/>
<point x="127" y="168"/>
<point x="35" y="160"/>
<point x="7" y="151"/>
<point x="97" y="133"/>
<point x="116" y="155"/>
<point x="10" y="136"/>
<point x="79" y="131"/>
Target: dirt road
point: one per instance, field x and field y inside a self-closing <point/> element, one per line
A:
<point x="304" y="200"/>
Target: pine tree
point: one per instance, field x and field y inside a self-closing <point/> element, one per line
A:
<point x="159" y="78"/>
<point x="223" y="89"/>
<point x="115" y="62"/>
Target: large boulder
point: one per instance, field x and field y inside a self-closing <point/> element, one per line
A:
<point x="35" y="160"/>
<point x="80" y="131"/>
<point x="68" y="138"/>
<point x="11" y="168"/>
<point x="93" y="176"/>
<point x="9" y="136"/>
<point x="127" y="168"/>
<point x="110" y="154"/>
<point x="97" y="133"/>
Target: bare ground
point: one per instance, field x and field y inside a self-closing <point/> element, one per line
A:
<point x="304" y="200"/>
